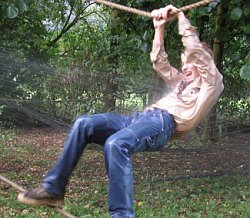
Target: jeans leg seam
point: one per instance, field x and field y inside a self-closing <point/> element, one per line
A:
<point x="130" y="130"/>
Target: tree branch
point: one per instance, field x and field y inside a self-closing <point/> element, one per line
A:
<point x="67" y="26"/>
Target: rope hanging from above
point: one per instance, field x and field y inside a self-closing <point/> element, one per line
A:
<point x="148" y="14"/>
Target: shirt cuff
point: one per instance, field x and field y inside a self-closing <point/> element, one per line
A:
<point x="186" y="29"/>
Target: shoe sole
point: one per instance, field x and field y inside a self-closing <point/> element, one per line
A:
<point x="31" y="201"/>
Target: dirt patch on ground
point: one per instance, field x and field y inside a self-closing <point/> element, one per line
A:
<point x="41" y="148"/>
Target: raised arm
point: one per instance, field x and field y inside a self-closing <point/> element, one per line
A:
<point x="196" y="53"/>
<point x="194" y="50"/>
<point x="158" y="54"/>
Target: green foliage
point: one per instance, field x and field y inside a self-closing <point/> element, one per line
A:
<point x="54" y="51"/>
<point x="17" y="7"/>
<point x="2" y="108"/>
<point x="245" y="70"/>
<point x="236" y="13"/>
<point x="247" y="29"/>
<point x="247" y="11"/>
<point x="12" y="11"/>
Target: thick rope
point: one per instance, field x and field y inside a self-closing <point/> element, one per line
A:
<point x="19" y="188"/>
<point x="148" y="14"/>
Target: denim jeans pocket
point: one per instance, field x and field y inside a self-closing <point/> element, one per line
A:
<point x="156" y="142"/>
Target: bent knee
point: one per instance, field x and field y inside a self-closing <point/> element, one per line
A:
<point x="83" y="121"/>
<point x="116" y="145"/>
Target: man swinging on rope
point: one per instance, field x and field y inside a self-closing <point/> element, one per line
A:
<point x="195" y="91"/>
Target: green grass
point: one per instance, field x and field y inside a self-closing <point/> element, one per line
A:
<point x="226" y="196"/>
<point x="25" y="164"/>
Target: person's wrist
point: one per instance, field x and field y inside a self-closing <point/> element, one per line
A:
<point x="159" y="27"/>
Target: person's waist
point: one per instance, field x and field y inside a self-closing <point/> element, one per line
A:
<point x="151" y="108"/>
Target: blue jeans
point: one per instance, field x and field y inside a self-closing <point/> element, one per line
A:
<point x="121" y="136"/>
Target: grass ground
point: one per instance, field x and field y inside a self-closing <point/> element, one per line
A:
<point x="210" y="181"/>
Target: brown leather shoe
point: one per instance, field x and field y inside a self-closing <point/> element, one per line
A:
<point x="39" y="196"/>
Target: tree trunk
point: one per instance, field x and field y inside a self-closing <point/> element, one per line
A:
<point x="111" y="85"/>
<point x="211" y="129"/>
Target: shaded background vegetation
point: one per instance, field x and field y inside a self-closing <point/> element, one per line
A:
<point x="60" y="59"/>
